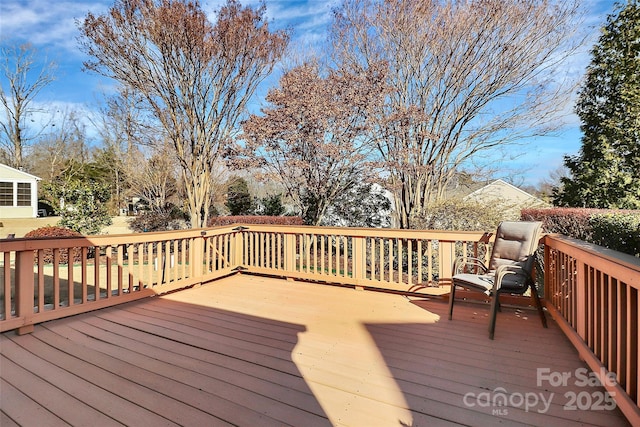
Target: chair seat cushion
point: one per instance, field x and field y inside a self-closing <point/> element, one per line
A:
<point x="511" y="283"/>
<point x="479" y="282"/>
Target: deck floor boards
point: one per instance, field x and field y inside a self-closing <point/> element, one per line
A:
<point x="257" y="351"/>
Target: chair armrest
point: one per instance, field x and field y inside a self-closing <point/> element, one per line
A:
<point x="462" y="261"/>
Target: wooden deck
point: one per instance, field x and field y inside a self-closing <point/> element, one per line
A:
<point x="255" y="351"/>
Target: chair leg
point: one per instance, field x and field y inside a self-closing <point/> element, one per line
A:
<point x="452" y="295"/>
<point x="495" y="303"/>
<point x="536" y="299"/>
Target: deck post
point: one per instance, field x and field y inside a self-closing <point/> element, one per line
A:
<point x="289" y="252"/>
<point x="359" y="258"/>
<point x="447" y="255"/>
<point x="24" y="286"/>
<point x="237" y="248"/>
<point x="197" y="253"/>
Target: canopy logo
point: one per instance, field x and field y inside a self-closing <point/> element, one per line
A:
<point x="594" y="398"/>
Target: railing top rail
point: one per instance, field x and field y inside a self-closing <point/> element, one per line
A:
<point x="22" y="244"/>
<point x="446" y="236"/>
<point x="602" y="258"/>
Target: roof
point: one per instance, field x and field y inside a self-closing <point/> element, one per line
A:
<point x="500" y="189"/>
<point x="7" y="172"/>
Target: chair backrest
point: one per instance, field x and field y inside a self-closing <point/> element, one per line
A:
<point x="516" y="243"/>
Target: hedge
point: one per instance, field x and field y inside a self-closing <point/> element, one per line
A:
<point x="254" y="219"/>
<point x="617" y="231"/>
<point x="613" y="229"/>
<point x="55" y="231"/>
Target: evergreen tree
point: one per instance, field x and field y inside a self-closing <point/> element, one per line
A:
<point x="270" y="205"/>
<point x="239" y="200"/>
<point x="81" y="193"/>
<point x="606" y="172"/>
<point x="85" y="210"/>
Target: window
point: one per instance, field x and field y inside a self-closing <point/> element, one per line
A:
<point x="24" y="194"/>
<point x="6" y="193"/>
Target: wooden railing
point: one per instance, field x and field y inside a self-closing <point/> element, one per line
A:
<point x="594" y="294"/>
<point x="38" y="284"/>
<point x="46" y="279"/>
<point x="398" y="260"/>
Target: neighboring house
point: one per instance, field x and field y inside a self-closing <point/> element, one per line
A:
<point x="18" y="193"/>
<point x="509" y="197"/>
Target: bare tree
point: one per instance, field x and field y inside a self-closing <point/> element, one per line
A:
<point x="196" y="78"/>
<point x="63" y="145"/>
<point x="466" y="77"/>
<point x="24" y="80"/>
<point x="155" y="181"/>
<point x="312" y="136"/>
<point x="126" y="129"/>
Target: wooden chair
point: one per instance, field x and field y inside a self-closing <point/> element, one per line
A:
<point x="509" y="270"/>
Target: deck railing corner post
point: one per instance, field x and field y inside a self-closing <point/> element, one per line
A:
<point x="237" y="248"/>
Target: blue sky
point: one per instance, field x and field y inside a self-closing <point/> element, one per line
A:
<point x="51" y="27"/>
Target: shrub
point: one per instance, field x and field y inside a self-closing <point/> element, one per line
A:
<point x="53" y="231"/>
<point x="620" y="232"/>
<point x="162" y="220"/>
<point x="459" y="214"/>
<point x="573" y="222"/>
<point x="270" y="206"/>
<point x="363" y="205"/>
<point x="84" y="209"/>
<point x="613" y="229"/>
<point x="275" y="220"/>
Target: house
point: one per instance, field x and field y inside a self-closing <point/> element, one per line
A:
<point x="511" y="198"/>
<point x="18" y="193"/>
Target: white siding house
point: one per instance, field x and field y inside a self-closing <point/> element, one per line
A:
<point x="508" y="197"/>
<point x="18" y="193"/>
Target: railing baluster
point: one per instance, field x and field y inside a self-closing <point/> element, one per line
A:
<point x="419" y="261"/>
<point x="410" y="269"/>
<point x="56" y="278"/>
<point x="612" y="341"/>
<point x="7" y="285"/>
<point x="41" y="289"/>
<point x="315" y="253"/>
<point x="130" y="265"/>
<point x="399" y="245"/>
<point x="70" y="284"/>
<point x="120" y="269"/>
<point x="108" y="263"/>
<point x="159" y="265"/>
<point x="96" y="272"/>
<point x="345" y="257"/>
<point x="633" y="338"/>
<point x="621" y="330"/>
<point x="176" y="261"/>
<point x="152" y="258"/>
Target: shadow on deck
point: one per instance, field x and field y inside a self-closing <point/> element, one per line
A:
<point x="253" y="351"/>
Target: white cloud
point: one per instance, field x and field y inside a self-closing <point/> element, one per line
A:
<point x="46" y="24"/>
<point x="309" y="19"/>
